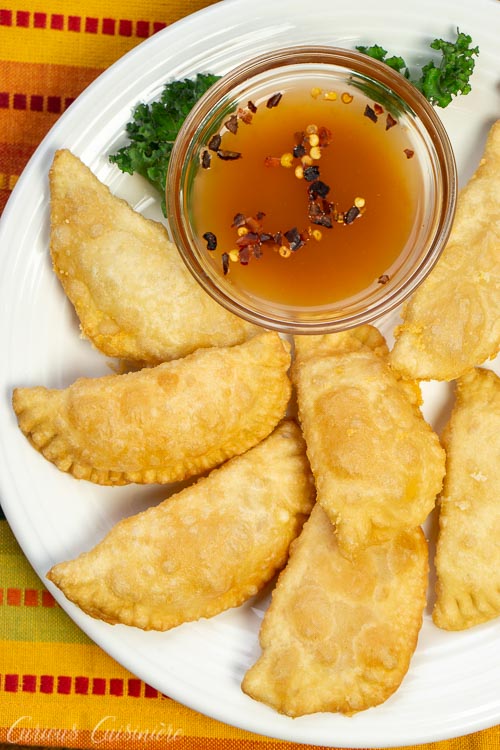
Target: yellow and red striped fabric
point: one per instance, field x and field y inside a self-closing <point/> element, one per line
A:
<point x="57" y="688"/>
<point x="50" y="50"/>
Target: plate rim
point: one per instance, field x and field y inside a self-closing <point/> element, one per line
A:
<point x="90" y="627"/>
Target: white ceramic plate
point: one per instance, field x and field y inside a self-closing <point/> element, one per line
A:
<point x="453" y="686"/>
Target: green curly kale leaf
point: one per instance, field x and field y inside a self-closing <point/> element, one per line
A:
<point x="379" y="53"/>
<point x="154" y="127"/>
<point x="439" y="83"/>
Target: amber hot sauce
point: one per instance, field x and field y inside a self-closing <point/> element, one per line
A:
<point x="257" y="211"/>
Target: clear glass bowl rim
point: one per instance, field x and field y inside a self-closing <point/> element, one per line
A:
<point x="347" y="61"/>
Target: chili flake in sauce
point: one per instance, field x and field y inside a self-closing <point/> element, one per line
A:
<point x="299" y="214"/>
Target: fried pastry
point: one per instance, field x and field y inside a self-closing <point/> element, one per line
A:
<point x="339" y="634"/>
<point x="468" y="552"/>
<point x="207" y="548"/>
<point x="164" y="423"/>
<point x="452" y="322"/>
<point x="133" y="294"/>
<point x="377" y="464"/>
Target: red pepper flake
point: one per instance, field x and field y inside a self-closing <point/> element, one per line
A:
<point x="254" y="223"/>
<point x="232" y="124"/>
<point x="244" y="255"/>
<point x="266" y="237"/>
<point x="244" y="115"/>
<point x="409" y="153"/>
<point x="211" y="240"/>
<point x="351" y="214"/>
<point x="251" y="106"/>
<point x="274" y="100"/>
<point x="320" y="212"/>
<point x="272" y="161"/>
<point x="390" y="121"/>
<point x="299" y="150"/>
<point x="239" y="221"/>
<point x="318" y="188"/>
<point x="370" y="113"/>
<point x="225" y="263"/>
<point x="294" y="238"/>
<point x="378" y="108"/>
<point x="214" y="142"/>
<point x="325" y="136"/>
<point x="247" y="239"/>
<point x="228" y="155"/>
<point x="383" y="279"/>
<point x="252" y="249"/>
<point x="206" y="159"/>
<point x="311" y="173"/>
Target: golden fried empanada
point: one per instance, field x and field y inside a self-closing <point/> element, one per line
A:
<point x="206" y="549"/>
<point x="133" y="294"/>
<point x="350" y="340"/>
<point x="377" y="464"/>
<point x="452" y="322"/>
<point x="468" y="546"/>
<point x="165" y="423"/>
<point x="339" y="634"/>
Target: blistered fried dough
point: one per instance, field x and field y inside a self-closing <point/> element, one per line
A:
<point x="339" y="634"/>
<point x="206" y="549"/>
<point x="452" y="322"/>
<point x="377" y="464"/>
<point x="165" y="423"/>
<point x="131" y="291"/>
<point x="468" y="551"/>
<point x="351" y="340"/>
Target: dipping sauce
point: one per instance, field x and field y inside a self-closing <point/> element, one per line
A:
<point x="312" y="248"/>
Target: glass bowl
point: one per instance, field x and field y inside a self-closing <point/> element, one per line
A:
<point x="281" y="276"/>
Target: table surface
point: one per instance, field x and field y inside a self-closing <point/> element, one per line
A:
<point x="57" y="688"/>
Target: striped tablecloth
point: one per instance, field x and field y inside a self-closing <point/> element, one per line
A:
<point x="57" y="688"/>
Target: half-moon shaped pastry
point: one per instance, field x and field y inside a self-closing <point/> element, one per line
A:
<point x="165" y="423"/>
<point x="377" y="464"/>
<point x="206" y="549"/>
<point x="452" y="322"/>
<point x="133" y="294"/>
<point x="468" y="544"/>
<point x="339" y="634"/>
